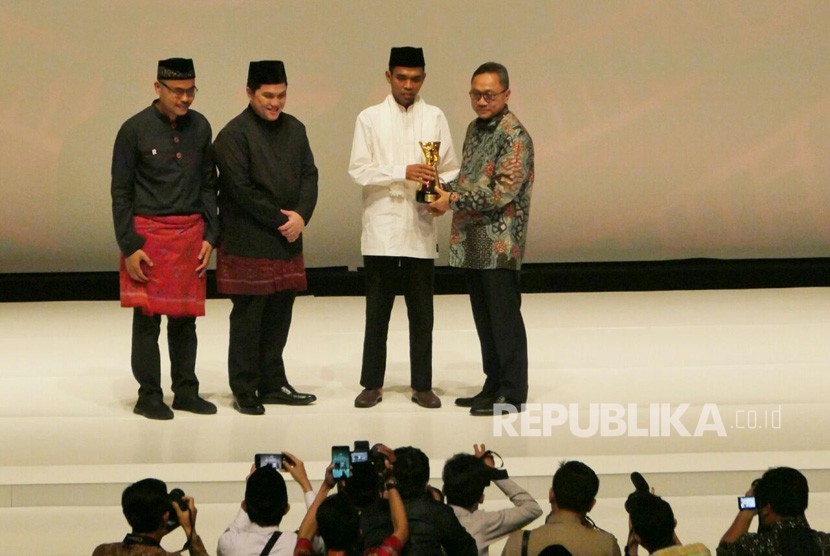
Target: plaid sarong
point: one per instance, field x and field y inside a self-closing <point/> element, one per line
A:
<point x="174" y="289"/>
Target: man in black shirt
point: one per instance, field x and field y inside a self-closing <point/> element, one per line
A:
<point x="267" y="194"/>
<point x="164" y="211"/>
<point x="433" y="527"/>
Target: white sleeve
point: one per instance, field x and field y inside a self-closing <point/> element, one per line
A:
<point x="364" y="167"/>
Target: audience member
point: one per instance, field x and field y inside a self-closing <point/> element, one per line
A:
<point x="652" y="526"/>
<point x="153" y="513"/>
<point x="780" y="499"/>
<point x="337" y="520"/>
<point x="256" y="525"/>
<point x="465" y="477"/>
<point x="433" y="526"/>
<point x="572" y="496"/>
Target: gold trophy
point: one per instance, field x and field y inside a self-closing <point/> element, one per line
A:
<point x="426" y="191"/>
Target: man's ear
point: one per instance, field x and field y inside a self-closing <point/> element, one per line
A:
<point x="551" y="497"/>
<point x="287" y="507"/>
<point x="481" y="500"/>
<point x="244" y="506"/>
<point x="593" y="503"/>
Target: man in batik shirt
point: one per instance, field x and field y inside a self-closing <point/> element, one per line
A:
<point x="267" y="194"/>
<point x="781" y="497"/>
<point x="490" y="201"/>
<point x="152" y="515"/>
<point x="164" y="211"/>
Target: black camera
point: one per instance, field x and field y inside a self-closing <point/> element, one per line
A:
<point x="176" y="495"/>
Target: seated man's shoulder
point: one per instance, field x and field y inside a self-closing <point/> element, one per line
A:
<point x="121" y="549"/>
<point x="696" y="549"/>
<point x="570" y="535"/>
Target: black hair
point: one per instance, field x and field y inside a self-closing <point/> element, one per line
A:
<point x="465" y="479"/>
<point x="266" y="497"/>
<point x="338" y="522"/>
<point x="144" y="504"/>
<point x="785" y="489"/>
<point x="575" y="486"/>
<point x="498" y="69"/>
<point x="652" y="519"/>
<point x="555" y="550"/>
<point x="411" y="471"/>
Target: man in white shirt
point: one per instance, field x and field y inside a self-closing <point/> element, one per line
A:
<point x="398" y="241"/>
<point x="257" y="524"/>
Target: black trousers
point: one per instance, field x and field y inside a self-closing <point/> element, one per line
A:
<point x="146" y="357"/>
<point x="384" y="276"/>
<point x="495" y="296"/>
<point x="259" y="331"/>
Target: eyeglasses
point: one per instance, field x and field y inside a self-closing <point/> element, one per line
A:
<point x="179" y="92"/>
<point x="488" y="96"/>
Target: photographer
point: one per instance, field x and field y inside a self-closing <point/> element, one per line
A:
<point x="780" y="502"/>
<point x="465" y="477"/>
<point x="572" y="495"/>
<point x="153" y="513"/>
<point x="433" y="526"/>
<point x="652" y="526"/>
<point x="255" y="530"/>
<point x="337" y="521"/>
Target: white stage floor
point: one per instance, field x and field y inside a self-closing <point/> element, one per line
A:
<point x="699" y="390"/>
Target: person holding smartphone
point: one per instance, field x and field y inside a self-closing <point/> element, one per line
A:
<point x="256" y="526"/>
<point x="781" y="496"/>
<point x="337" y="521"/>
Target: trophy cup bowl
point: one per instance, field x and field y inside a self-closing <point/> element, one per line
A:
<point x="426" y="191"/>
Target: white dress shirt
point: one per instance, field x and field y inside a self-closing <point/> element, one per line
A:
<point x="245" y="538"/>
<point x="386" y="138"/>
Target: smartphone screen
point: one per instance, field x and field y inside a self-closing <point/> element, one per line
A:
<point x="274" y="460"/>
<point x="360" y="457"/>
<point x="746" y="502"/>
<point x="340" y="462"/>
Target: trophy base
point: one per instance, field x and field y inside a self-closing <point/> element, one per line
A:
<point x="426" y="197"/>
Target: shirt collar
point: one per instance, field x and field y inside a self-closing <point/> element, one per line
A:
<point x="391" y="100"/>
<point x="180" y="120"/>
<point x="493" y="122"/>
<point x="565" y="517"/>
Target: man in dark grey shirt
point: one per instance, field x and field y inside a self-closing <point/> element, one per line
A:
<point x="164" y="212"/>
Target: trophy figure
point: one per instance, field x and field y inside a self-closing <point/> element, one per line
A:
<point x="426" y="191"/>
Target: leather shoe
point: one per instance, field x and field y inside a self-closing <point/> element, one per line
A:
<point x="370" y="397"/>
<point x="426" y="398"/>
<point x="248" y="404"/>
<point x="482" y="397"/>
<point x="492" y="409"/>
<point x="286" y="395"/>
<point x="194" y="404"/>
<point x="153" y="408"/>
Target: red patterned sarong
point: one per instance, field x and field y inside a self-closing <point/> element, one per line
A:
<point x="237" y="275"/>
<point x="174" y="289"/>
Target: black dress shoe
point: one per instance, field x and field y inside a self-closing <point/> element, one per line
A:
<point x="482" y="397"/>
<point x="194" y="404"/>
<point x="286" y="395"/>
<point x="494" y="409"/>
<point x="153" y="408"/>
<point x="248" y="404"/>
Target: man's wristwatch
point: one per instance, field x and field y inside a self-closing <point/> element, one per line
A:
<point x="391" y="485"/>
